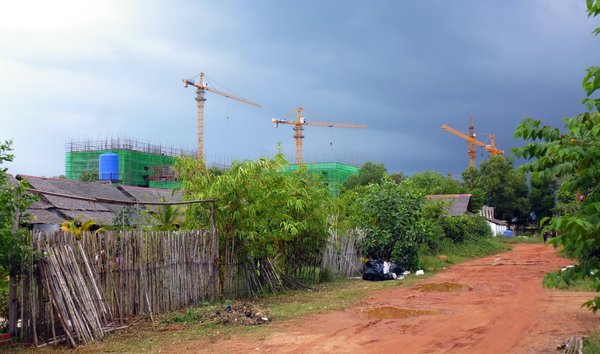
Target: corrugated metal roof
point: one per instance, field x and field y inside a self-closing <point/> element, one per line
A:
<point x="52" y="209"/>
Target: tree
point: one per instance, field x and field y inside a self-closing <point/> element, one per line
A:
<point x="14" y="200"/>
<point x="504" y="188"/>
<point x="542" y="195"/>
<point x="398" y="177"/>
<point x="369" y="173"/>
<point x="572" y="156"/>
<point x="434" y="183"/>
<point x="263" y="212"/>
<point x="89" y="176"/>
<point x="469" y="177"/>
<point x="391" y="220"/>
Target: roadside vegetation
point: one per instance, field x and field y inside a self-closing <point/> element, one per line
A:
<point x="570" y="156"/>
<point x="278" y="223"/>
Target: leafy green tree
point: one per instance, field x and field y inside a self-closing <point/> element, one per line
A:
<point x="264" y="212"/>
<point x="478" y="195"/>
<point x="369" y="173"/>
<point x="14" y="200"/>
<point x="572" y="156"/>
<point x="434" y="183"/>
<point x="391" y="220"/>
<point x="89" y="176"/>
<point x="398" y="177"/>
<point x="505" y="189"/>
<point x="542" y="195"/>
<point x="469" y="177"/>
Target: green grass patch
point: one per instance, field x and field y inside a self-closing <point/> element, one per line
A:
<point x="453" y="253"/>
<point x="195" y="323"/>
<point x="591" y="344"/>
<point x="521" y="239"/>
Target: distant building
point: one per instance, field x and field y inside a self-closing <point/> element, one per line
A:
<point x="454" y="204"/>
<point x="332" y="174"/>
<point x="497" y="226"/>
<point x="132" y="163"/>
<point x="52" y="210"/>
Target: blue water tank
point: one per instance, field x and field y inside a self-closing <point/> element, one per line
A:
<point x="508" y="233"/>
<point x="108" y="166"/>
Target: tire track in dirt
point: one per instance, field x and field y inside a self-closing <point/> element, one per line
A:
<point x="506" y="310"/>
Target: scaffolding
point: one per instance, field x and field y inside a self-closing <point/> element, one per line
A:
<point x="333" y="174"/>
<point x="140" y="164"/>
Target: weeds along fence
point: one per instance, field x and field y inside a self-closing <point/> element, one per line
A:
<point x="77" y="290"/>
<point x="341" y="256"/>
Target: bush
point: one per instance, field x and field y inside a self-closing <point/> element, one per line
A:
<point x="466" y="227"/>
<point x="392" y="222"/>
<point x="3" y="293"/>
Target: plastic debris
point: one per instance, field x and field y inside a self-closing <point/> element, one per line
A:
<point x="376" y="270"/>
<point x="420" y="272"/>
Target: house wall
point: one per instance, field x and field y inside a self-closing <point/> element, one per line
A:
<point x="497" y="230"/>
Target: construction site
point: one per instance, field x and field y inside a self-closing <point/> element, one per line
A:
<point x="130" y="162"/>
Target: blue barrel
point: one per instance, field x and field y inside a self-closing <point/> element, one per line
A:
<point x="108" y="166"/>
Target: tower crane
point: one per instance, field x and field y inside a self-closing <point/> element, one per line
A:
<point x="298" y="128"/>
<point x="201" y="88"/>
<point x="490" y="148"/>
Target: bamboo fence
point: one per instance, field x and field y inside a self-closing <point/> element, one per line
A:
<point x="341" y="256"/>
<point x="77" y="290"/>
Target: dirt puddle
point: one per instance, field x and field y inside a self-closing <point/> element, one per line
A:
<point x="442" y="287"/>
<point x="390" y="312"/>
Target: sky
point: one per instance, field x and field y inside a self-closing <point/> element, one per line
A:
<point x="76" y="70"/>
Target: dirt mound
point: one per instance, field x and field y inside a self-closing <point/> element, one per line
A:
<point x="242" y="314"/>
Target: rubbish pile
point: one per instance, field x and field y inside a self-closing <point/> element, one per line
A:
<point x="241" y="313"/>
<point x="376" y="270"/>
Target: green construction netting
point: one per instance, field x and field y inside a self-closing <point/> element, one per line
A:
<point x="333" y="174"/>
<point x="134" y="166"/>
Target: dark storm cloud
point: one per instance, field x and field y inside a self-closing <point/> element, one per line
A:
<point x="402" y="67"/>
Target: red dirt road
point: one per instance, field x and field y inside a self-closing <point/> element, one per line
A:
<point x="506" y="310"/>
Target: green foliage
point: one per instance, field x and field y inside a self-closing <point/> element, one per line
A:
<point x="266" y="213"/>
<point x="391" y="221"/>
<point x="14" y="200"/>
<point x="542" y="195"/>
<point x="78" y="227"/>
<point x="166" y="217"/>
<point x="123" y="220"/>
<point x="572" y="156"/>
<point x="4" y="287"/>
<point x="459" y="252"/>
<point x="504" y="188"/>
<point x="466" y="227"/>
<point x="89" y="176"/>
<point x="434" y="183"/>
<point x="369" y="173"/>
<point x="398" y="177"/>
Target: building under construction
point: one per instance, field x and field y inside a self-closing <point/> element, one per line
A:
<point x="123" y="161"/>
<point x="333" y="174"/>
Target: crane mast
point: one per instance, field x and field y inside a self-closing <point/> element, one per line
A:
<point x="298" y="129"/>
<point x="472" y="142"/>
<point x="201" y="89"/>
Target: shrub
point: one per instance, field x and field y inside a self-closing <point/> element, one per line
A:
<point x="466" y="227"/>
